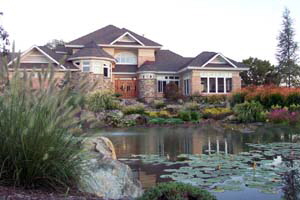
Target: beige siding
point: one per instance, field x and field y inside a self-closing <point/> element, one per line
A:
<point x="34" y="56"/>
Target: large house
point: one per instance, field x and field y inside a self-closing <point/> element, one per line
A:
<point x="136" y="67"/>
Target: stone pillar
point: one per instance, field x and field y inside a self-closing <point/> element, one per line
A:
<point x="146" y="87"/>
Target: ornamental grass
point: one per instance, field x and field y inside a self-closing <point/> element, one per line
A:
<point x="36" y="148"/>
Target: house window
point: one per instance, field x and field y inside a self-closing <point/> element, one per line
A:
<point x="186" y="84"/>
<point x="212" y="85"/>
<point x="204" y="85"/>
<point x="105" y="71"/>
<point x="97" y="67"/>
<point x="164" y="80"/>
<point x="220" y="85"/>
<point x="86" y="66"/>
<point x="162" y="86"/>
<point x="228" y="84"/>
<point x="126" y="58"/>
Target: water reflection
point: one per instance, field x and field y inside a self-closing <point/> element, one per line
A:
<point x="206" y="139"/>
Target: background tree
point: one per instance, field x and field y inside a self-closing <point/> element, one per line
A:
<point x="4" y="42"/>
<point x="55" y="43"/>
<point x="261" y="72"/>
<point x="287" y="52"/>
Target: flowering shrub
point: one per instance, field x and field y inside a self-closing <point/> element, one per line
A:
<point x="283" y="116"/>
<point x="267" y="95"/>
<point x="216" y="113"/>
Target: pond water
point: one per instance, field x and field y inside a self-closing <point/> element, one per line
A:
<point x="205" y="139"/>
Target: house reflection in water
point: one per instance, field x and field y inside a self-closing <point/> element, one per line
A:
<point x="174" y="141"/>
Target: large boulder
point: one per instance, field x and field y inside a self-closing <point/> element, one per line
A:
<point x="107" y="177"/>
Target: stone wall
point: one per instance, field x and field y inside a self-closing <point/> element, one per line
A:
<point x="147" y="89"/>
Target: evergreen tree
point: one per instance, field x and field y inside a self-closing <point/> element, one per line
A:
<point x="287" y="52"/>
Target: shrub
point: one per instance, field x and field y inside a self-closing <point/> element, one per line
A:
<point x="176" y="191"/>
<point x="157" y="121"/>
<point x="268" y="100"/>
<point x="164" y="114"/>
<point x="36" y="148"/>
<point x="158" y="104"/>
<point x="215" y="99"/>
<point x="283" y="116"/>
<point x="100" y="101"/>
<point x="292" y="98"/>
<point x="134" y="109"/>
<point x="173" y="109"/>
<point x="191" y="106"/>
<point x="152" y="113"/>
<point x="185" y="115"/>
<point x="174" y="121"/>
<point x="172" y="92"/>
<point x="216" y="113"/>
<point x="195" y="116"/>
<point x="118" y="95"/>
<point x="196" y="97"/>
<point x="249" y="112"/>
<point x="237" y="98"/>
<point x="294" y="108"/>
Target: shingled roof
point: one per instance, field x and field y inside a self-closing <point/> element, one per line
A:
<point x="108" y="34"/>
<point x="91" y="50"/>
<point x="165" y="60"/>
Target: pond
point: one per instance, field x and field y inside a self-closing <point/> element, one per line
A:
<point x="133" y="144"/>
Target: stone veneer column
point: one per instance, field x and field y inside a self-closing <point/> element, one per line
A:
<point x="236" y="81"/>
<point x="146" y="88"/>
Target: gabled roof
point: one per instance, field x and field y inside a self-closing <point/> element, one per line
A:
<point x="165" y="60"/>
<point x="91" y="50"/>
<point x="108" y="34"/>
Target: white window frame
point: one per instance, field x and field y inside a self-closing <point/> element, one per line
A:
<point x="186" y="87"/>
<point x="167" y="79"/>
<point x="126" y="58"/>
<point x="84" y="65"/>
<point x="107" y="67"/>
<point x="217" y="84"/>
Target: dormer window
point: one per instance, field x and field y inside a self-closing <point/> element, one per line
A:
<point x="86" y="66"/>
<point x="126" y="58"/>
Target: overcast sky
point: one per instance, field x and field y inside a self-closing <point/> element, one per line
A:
<point x="236" y="28"/>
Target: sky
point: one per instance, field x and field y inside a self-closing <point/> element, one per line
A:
<point x="236" y="28"/>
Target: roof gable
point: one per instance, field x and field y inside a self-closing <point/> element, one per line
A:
<point x="127" y="39"/>
<point x="109" y="34"/>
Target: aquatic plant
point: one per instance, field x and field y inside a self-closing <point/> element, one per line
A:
<point x="176" y="191"/>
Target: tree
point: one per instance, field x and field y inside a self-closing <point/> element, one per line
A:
<point x="261" y="72"/>
<point x="4" y="41"/>
<point x="55" y="43"/>
<point x="287" y="52"/>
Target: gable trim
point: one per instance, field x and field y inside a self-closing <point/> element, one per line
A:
<point x="127" y="33"/>
<point x="215" y="56"/>
<point x="41" y="51"/>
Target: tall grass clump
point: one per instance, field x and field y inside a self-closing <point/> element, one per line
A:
<point x="101" y="100"/>
<point x="36" y="148"/>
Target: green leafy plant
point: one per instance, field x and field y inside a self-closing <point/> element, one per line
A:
<point x="185" y="115"/>
<point x="215" y="99"/>
<point x="101" y="100"/>
<point x="134" y="109"/>
<point x="249" y="112"/>
<point x="292" y="98"/>
<point x="176" y="191"/>
<point x="294" y="108"/>
<point x="237" y="98"/>
<point x="36" y="148"/>
<point x="195" y="116"/>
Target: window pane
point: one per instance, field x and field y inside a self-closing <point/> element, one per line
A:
<point x="159" y="83"/>
<point x="204" y="85"/>
<point x="164" y="86"/>
<point x="228" y="84"/>
<point x="86" y="68"/>
<point x="221" y="85"/>
<point x="212" y="85"/>
<point x="105" y="72"/>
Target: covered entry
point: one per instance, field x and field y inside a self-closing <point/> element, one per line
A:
<point x="126" y="87"/>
